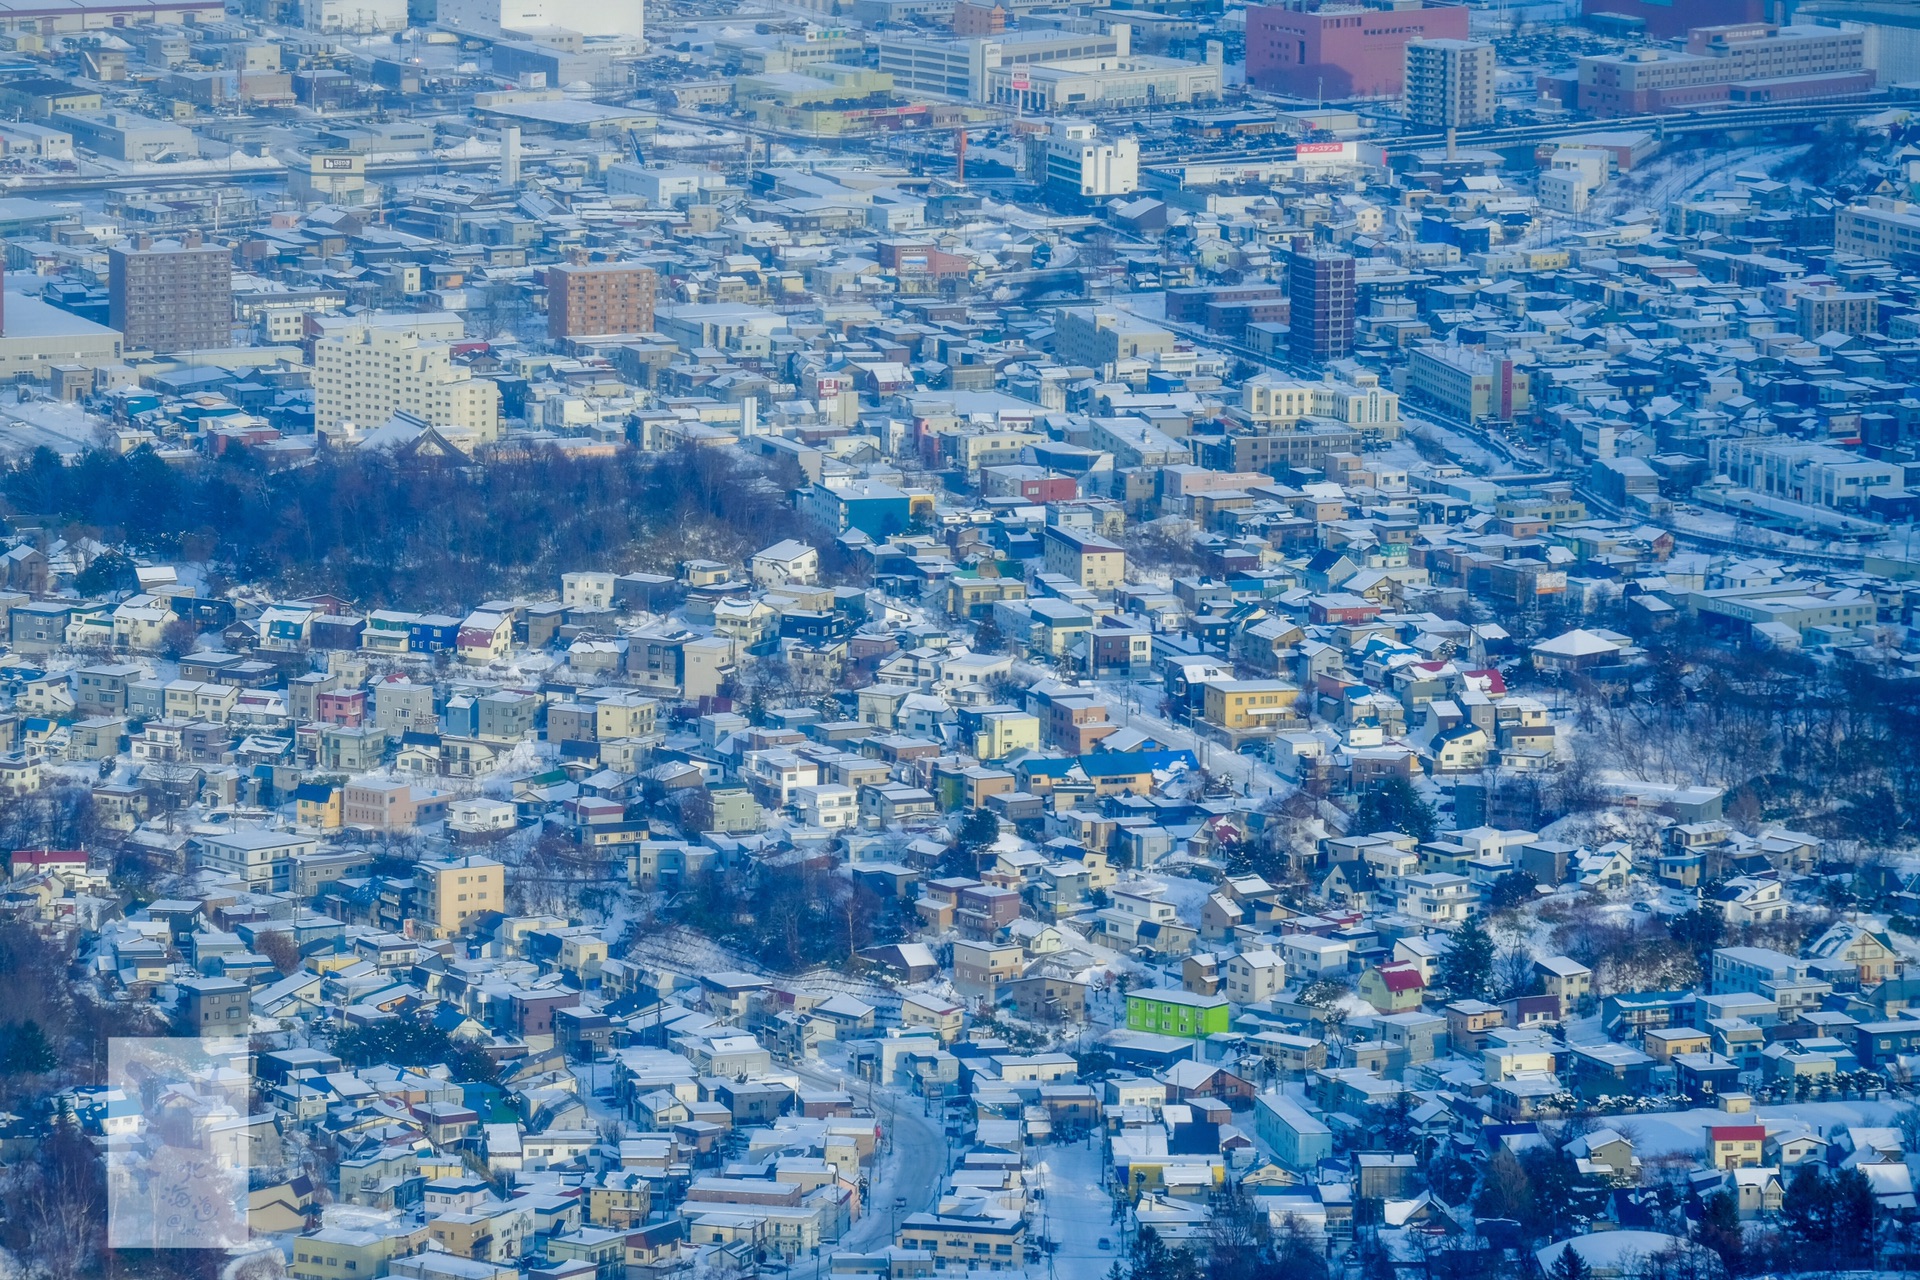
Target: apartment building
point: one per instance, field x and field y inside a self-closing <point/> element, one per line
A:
<point x="1097" y="337"/>
<point x="1088" y="559"/>
<point x="453" y="891"/>
<point x="364" y="373"/>
<point x="1449" y="83"/>
<point x="599" y="297"/>
<point x="1466" y="384"/>
<point x="171" y="295"/>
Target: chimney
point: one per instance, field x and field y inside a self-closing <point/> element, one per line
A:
<point x="191" y="240"/>
<point x="510" y="157"/>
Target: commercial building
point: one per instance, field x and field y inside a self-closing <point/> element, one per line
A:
<point x="1878" y="227"/>
<point x="490" y="17"/>
<point x="354" y="17"/>
<point x="1341" y="50"/>
<point x="1743" y="62"/>
<point x="599" y="297"/>
<point x="39" y="18"/>
<point x="1664" y="20"/>
<point x="1102" y="84"/>
<point x="367" y="370"/>
<point x="128" y="135"/>
<point x="1820" y="475"/>
<point x="171" y="295"/>
<point x="1073" y="157"/>
<point x="1466" y="384"/>
<point x="1449" y="83"/>
<point x="35" y="336"/>
<point x="959" y="69"/>
<point x="1321" y="299"/>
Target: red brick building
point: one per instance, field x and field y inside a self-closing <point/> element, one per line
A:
<point x="1337" y="51"/>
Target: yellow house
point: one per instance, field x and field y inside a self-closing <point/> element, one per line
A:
<point x="582" y="953"/>
<point x="485" y="637"/>
<point x="983" y="1244"/>
<point x="457" y="889"/>
<point x="624" y="715"/>
<point x="319" y="805"/>
<point x="944" y="1017"/>
<point x="1241" y="705"/>
<point x="353" y="1253"/>
<point x="1004" y="732"/>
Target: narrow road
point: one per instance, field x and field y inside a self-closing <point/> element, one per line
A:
<point x="913" y="1169"/>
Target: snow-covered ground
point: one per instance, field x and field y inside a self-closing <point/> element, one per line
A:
<point x="64" y="428"/>
<point x="1076" y="1212"/>
<point x="1669" y="1132"/>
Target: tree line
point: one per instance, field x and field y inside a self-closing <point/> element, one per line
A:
<point x="423" y="533"/>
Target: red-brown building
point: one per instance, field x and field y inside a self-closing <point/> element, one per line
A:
<point x="1341" y="51"/>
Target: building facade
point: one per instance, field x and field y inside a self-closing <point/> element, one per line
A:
<point x="171" y="295"/>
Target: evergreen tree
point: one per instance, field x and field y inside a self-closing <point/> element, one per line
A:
<point x="1807" y="1212"/>
<point x="1569" y="1266"/>
<point x="1392" y="804"/>
<point x="24" y="1050"/>
<point x="1467" y="967"/>
<point x="1719" y="1230"/>
<point x="1853" y="1218"/>
<point x="988" y="637"/>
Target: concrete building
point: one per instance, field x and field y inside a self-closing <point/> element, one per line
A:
<point x="455" y="890"/>
<point x="1878" y="227"/>
<point x="128" y="135"/>
<point x="171" y="295"/>
<point x="1102" y="84"/>
<point x="489" y="17"/>
<point x="1752" y="62"/>
<point x="1320" y="294"/>
<point x="959" y="69"/>
<point x="1817" y="474"/>
<point x="1341" y="50"/>
<point x="35" y="336"/>
<point x="263" y="859"/>
<point x="367" y="371"/>
<point x="1831" y="309"/>
<point x="1073" y="157"/>
<point x="599" y="297"/>
<point x="1449" y="83"/>
<point x="1466" y="384"/>
<point x="354" y="17"/>
<point x="1098" y="337"/>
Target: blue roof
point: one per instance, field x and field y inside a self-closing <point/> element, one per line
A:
<point x="1112" y="763"/>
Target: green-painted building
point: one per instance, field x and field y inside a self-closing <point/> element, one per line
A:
<point x="1172" y="1012"/>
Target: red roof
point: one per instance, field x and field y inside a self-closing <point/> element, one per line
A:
<point x="1402" y="978"/>
<point x="1738" y="1133"/>
<point x="1495" y="682"/>
<point x="49" y="857"/>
